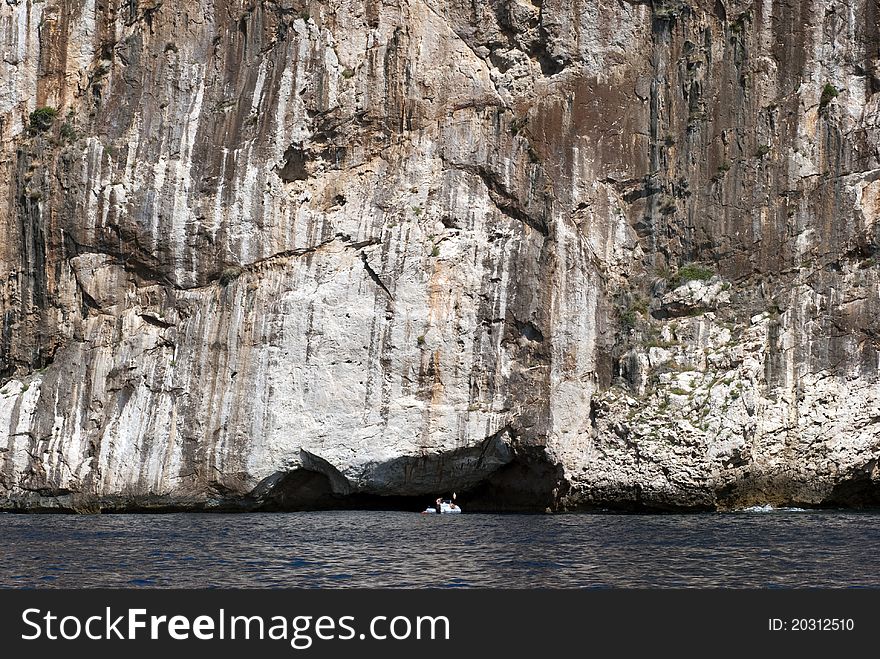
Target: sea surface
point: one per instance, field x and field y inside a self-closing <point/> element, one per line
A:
<point x="759" y="548"/>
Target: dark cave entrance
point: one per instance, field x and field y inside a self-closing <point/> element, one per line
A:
<point x="302" y="490"/>
<point x="861" y="491"/>
<point x="528" y="483"/>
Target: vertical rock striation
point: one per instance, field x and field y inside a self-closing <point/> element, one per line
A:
<point x="551" y="254"/>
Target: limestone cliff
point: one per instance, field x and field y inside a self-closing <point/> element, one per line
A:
<point x="289" y="253"/>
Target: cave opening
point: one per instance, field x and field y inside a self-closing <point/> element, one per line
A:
<point x="305" y="490"/>
<point x="861" y="491"/>
<point x="526" y="484"/>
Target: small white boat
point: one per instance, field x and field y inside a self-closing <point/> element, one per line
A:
<point x="446" y="508"/>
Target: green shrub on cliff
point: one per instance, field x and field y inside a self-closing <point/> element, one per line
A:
<point x="829" y="93"/>
<point x="690" y="272"/>
<point x="68" y="129"/>
<point x="42" y="118"/>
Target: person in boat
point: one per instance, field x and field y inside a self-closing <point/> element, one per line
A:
<point x="438" y="504"/>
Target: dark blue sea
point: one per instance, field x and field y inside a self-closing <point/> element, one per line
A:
<point x="408" y="550"/>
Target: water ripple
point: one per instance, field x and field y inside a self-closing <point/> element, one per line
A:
<point x="405" y="550"/>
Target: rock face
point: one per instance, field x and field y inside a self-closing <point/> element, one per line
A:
<point x="290" y="254"/>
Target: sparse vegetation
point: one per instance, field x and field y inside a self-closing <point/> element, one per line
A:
<point x="229" y="275"/>
<point x="416" y="210"/>
<point x="42" y="118"/>
<point x="421" y="340"/>
<point x="762" y="150"/>
<point x="628" y="319"/>
<point x="435" y="251"/>
<point x="829" y="93"/>
<point x="669" y="10"/>
<point x="663" y="272"/>
<point x="68" y="132"/>
<point x="631" y="309"/>
<point x="640" y="305"/>
<point x="68" y="128"/>
<point x="690" y="272"/>
<point x="347" y="73"/>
